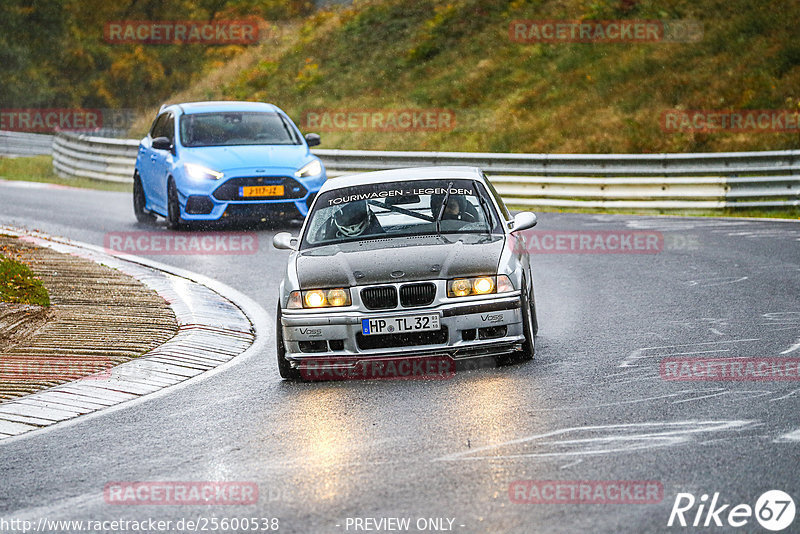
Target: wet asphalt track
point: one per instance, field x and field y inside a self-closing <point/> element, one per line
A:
<point x="592" y="406"/>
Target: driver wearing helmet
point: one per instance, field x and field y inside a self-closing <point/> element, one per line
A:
<point x="457" y="209"/>
<point x="352" y="220"/>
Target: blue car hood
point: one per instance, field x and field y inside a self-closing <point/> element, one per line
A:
<point x="224" y="158"/>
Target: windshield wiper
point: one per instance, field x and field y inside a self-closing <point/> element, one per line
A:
<point x="485" y="207"/>
<point x="441" y="209"/>
<point x="398" y="209"/>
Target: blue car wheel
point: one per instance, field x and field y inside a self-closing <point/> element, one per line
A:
<point x="139" y="202"/>
<point x="174" y="220"/>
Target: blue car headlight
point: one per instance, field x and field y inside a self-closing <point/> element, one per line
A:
<point x="312" y="168"/>
<point x="198" y="172"/>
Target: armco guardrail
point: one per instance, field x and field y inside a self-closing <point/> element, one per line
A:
<point x="656" y="181"/>
<point x="13" y="144"/>
<point x="100" y="158"/>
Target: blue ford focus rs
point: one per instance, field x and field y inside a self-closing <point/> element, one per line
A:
<point x="209" y="161"/>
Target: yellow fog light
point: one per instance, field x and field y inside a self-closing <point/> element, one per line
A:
<point x="461" y="287"/>
<point x="338" y="297"/>
<point x="314" y="299"/>
<point x="482" y="286"/>
<point x="479" y="285"/>
<point x="320" y="298"/>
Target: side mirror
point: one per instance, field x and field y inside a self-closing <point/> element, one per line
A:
<point x="284" y="241"/>
<point x="313" y="139"/>
<point x="162" y="143"/>
<point x="523" y="221"/>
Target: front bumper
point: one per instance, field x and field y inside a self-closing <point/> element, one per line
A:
<point x="471" y="329"/>
<point x="214" y="201"/>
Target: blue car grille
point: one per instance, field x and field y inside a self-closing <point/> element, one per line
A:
<point x="231" y="189"/>
<point x="199" y="205"/>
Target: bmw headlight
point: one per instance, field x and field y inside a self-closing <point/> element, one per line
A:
<point x="478" y="285"/>
<point x="312" y="168"/>
<point x="198" y="172"/>
<point x="319" y="298"/>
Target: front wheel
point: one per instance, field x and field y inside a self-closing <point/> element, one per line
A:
<point x="530" y="326"/>
<point x="139" y="202"/>
<point x="174" y="221"/>
<point x="285" y="369"/>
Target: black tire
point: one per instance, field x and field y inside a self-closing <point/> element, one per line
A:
<point x="535" y="320"/>
<point x="530" y="326"/>
<point x="174" y="221"/>
<point x="286" y="371"/>
<point x="142" y="215"/>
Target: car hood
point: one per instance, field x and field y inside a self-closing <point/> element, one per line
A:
<point x="225" y="158"/>
<point x="398" y="260"/>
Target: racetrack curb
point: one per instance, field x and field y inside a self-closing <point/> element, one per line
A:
<point x="217" y="327"/>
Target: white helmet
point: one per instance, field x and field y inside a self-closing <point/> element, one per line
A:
<point x="352" y="219"/>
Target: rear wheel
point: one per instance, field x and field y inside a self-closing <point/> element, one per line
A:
<point x="174" y="221"/>
<point x="284" y="367"/>
<point x="139" y="202"/>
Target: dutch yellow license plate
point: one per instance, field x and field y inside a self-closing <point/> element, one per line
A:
<point x="261" y="191"/>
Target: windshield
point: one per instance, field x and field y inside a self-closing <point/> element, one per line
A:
<point x="237" y="128"/>
<point x="400" y="209"/>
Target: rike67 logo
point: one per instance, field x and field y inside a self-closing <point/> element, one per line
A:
<point x="774" y="510"/>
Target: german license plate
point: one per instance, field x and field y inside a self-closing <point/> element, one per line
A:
<point x="399" y="325"/>
<point x="261" y="191"/>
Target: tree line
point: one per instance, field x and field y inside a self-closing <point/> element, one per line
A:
<point x="54" y="54"/>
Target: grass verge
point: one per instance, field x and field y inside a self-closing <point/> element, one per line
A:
<point x="18" y="284"/>
<point x="40" y="169"/>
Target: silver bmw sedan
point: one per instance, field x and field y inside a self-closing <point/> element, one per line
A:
<point x="395" y="269"/>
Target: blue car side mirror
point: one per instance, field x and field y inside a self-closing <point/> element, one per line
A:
<point x="313" y="139"/>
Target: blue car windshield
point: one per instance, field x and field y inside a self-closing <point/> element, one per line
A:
<point x="237" y="128"/>
<point x="400" y="209"/>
